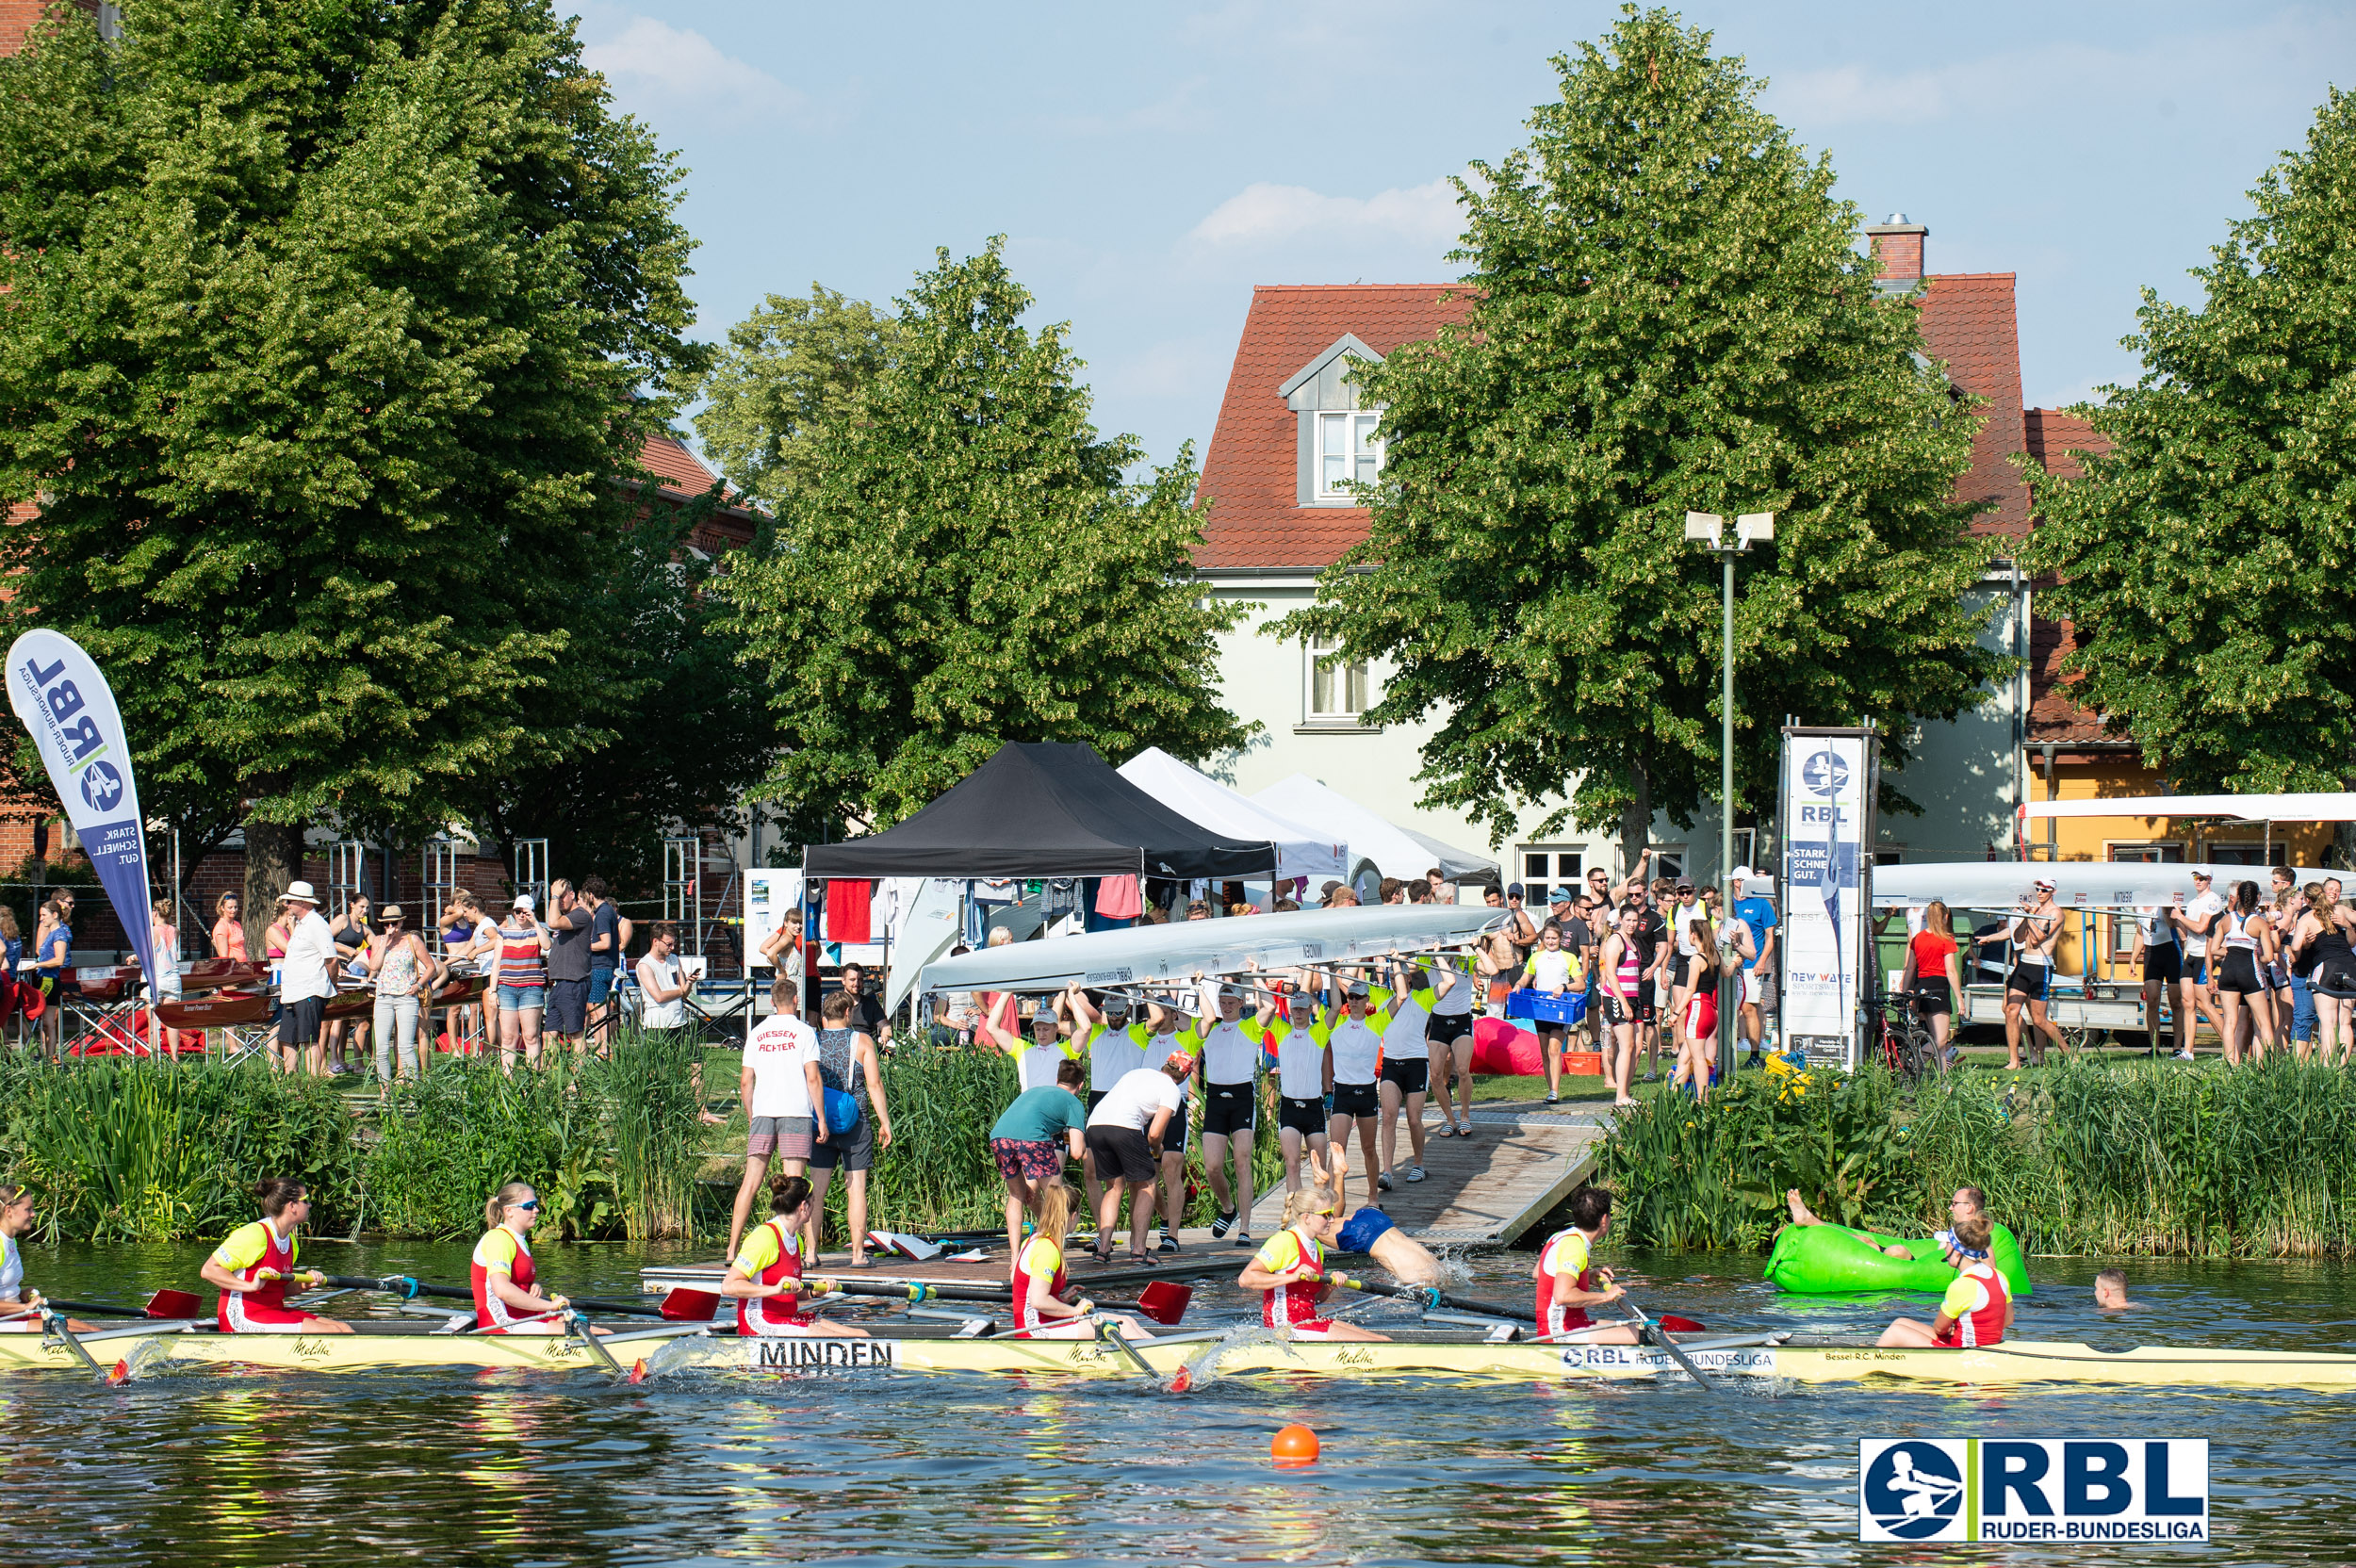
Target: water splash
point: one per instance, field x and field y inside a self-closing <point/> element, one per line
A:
<point x="1203" y="1367"/>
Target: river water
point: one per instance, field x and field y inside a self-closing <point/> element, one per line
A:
<point x="218" y="1467"/>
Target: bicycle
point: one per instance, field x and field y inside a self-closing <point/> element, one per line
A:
<point x="1906" y="1047"/>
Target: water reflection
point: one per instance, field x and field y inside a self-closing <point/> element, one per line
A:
<point x="523" y="1469"/>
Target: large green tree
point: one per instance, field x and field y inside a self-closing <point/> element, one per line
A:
<point x="1666" y="311"/>
<point x="960" y="563"/>
<point x="330" y="323"/>
<point x="786" y="371"/>
<point x="2205" y="558"/>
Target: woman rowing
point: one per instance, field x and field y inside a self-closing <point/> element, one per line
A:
<point x="767" y="1277"/>
<point x="1977" y="1308"/>
<point x="1289" y="1270"/>
<point x="1044" y="1307"/>
<point x="501" y="1272"/>
<point x="20" y="1312"/>
<point x="252" y="1267"/>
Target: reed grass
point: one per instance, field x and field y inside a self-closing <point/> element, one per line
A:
<point x="2116" y="1159"/>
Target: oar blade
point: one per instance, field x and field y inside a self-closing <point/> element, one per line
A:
<point x="1676" y="1324"/>
<point x="1165" y="1301"/>
<point x="689" y="1306"/>
<point x="174" y="1303"/>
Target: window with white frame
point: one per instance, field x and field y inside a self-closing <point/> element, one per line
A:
<point x="1337" y="687"/>
<point x="1549" y="871"/>
<point x="1349" y="452"/>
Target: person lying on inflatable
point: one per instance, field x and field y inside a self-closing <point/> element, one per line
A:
<point x="1815" y="1257"/>
<point x="1965" y="1204"/>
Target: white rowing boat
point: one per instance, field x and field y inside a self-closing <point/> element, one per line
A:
<point x="1159" y="954"/>
<point x="1467" y="1354"/>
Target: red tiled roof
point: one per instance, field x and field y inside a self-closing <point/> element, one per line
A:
<point x="2055" y="438"/>
<point x="1249" y="476"/>
<point x="682" y="473"/>
<point x="2052" y="437"/>
<point x="1967" y="324"/>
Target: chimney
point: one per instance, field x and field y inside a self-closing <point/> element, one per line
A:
<point x="1897" y="250"/>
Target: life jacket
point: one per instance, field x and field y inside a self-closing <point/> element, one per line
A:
<point x="1563" y="1249"/>
<point x="511" y="1256"/>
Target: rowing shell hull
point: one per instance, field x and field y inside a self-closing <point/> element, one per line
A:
<point x="2020" y="1362"/>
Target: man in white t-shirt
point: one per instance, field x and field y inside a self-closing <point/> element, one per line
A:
<point x="1124" y="1143"/>
<point x="662" y="986"/>
<point x="775" y="1087"/>
<point x="2195" y="923"/>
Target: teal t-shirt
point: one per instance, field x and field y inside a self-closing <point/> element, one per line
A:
<point x="1040" y="1116"/>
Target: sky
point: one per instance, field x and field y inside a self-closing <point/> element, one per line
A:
<point x="1150" y="164"/>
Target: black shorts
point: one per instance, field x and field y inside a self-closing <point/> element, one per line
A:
<point x="1617" y="1012"/>
<point x="298" y="1021"/>
<point x="1120" y="1154"/>
<point x="1413" y="1074"/>
<point x="1934" y="996"/>
<point x="568" y="1006"/>
<point x="1357" y="1100"/>
<point x="1448" y="1028"/>
<point x="1175" y="1132"/>
<point x="2164" y="963"/>
<point x="2336" y="980"/>
<point x="851" y="1151"/>
<point x="1095" y="1095"/>
<point x="1305" y="1116"/>
<point x="1229" y="1109"/>
<point x="2240" y="972"/>
<point x="2028" y="980"/>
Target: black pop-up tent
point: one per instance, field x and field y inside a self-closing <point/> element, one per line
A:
<point x="1044" y="810"/>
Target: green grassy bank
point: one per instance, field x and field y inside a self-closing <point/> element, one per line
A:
<point x="2094" y="1156"/>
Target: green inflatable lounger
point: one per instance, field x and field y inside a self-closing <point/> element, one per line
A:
<point x="1831" y="1259"/>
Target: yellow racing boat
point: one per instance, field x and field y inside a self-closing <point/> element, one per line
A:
<point x="1428" y="1352"/>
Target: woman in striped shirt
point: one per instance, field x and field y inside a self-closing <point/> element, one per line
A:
<point x="522" y="976"/>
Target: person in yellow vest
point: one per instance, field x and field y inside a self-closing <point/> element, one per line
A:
<point x="765" y="1280"/>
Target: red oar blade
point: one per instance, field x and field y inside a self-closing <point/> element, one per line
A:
<point x="174" y="1303"/>
<point x="1165" y="1301"/>
<point x="689" y="1306"/>
<point x="1676" y="1324"/>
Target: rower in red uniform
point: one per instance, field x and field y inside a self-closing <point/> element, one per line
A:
<point x="1567" y="1280"/>
<point x="1289" y="1268"/>
<point x="252" y="1267"/>
<point x="1977" y="1308"/>
<point x="766" y="1276"/>
<point x="1044" y="1307"/>
<point x="501" y="1272"/>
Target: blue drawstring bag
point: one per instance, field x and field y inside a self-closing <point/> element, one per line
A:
<point x="841" y="1113"/>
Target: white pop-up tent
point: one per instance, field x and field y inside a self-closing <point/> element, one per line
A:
<point x="1394" y="851"/>
<point x="1310" y="852"/>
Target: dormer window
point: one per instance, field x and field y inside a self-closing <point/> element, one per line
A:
<point x="1341" y="441"/>
<point x="1349" y="452"/>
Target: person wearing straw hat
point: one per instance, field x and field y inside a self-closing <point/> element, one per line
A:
<point x="309" y="978"/>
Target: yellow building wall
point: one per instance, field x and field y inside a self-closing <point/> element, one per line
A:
<point x="2103" y="838"/>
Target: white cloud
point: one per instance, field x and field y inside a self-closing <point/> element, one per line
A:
<point x="1264" y="214"/>
<point x="2182" y="72"/>
<point x="652" y="60"/>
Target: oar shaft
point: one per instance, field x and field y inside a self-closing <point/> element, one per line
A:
<point x="97" y="1309"/>
<point x="629" y="1309"/>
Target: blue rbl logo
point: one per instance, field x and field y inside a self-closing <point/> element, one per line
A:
<point x="101" y="787"/>
<point x="1825" y="772"/>
<point x="1912" y="1489"/>
<point x="2033" y="1489"/>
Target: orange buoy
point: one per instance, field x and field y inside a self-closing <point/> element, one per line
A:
<point x="1293" y="1446"/>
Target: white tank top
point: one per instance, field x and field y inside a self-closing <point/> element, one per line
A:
<point x="11" y="1270"/>
<point x="2238" y="935"/>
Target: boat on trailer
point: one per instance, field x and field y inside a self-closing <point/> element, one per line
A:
<point x="1474" y="1354"/>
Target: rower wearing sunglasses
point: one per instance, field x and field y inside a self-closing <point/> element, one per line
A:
<point x="250" y="1268"/>
<point x="501" y="1273"/>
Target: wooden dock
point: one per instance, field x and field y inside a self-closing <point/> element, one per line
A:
<point x="1485" y="1190"/>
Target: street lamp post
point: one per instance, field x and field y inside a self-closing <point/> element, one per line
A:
<point x="1709" y="529"/>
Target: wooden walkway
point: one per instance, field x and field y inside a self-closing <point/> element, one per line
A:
<point x="1486" y="1191"/>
